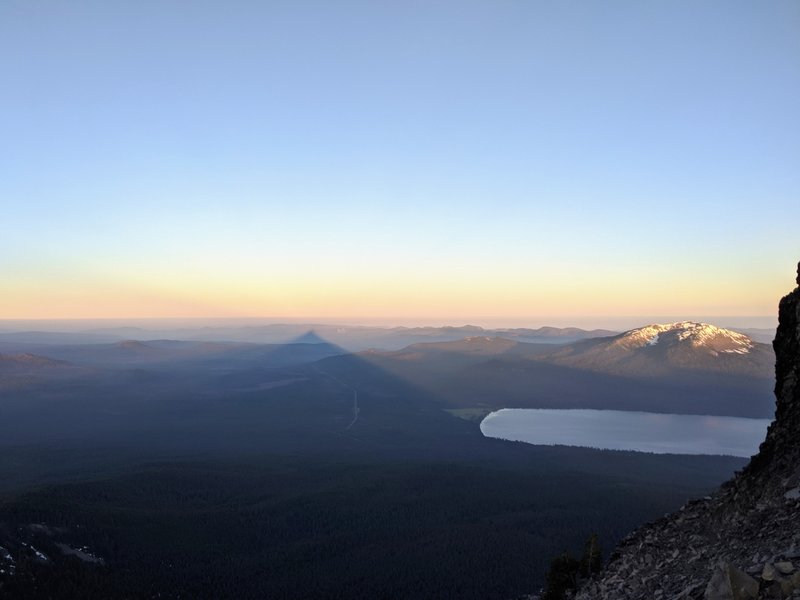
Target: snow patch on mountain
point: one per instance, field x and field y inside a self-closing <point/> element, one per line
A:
<point x="7" y="564"/>
<point x="40" y="555"/>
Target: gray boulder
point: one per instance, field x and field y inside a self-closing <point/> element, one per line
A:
<point x="729" y="583"/>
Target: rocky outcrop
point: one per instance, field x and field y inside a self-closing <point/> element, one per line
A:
<point x="741" y="543"/>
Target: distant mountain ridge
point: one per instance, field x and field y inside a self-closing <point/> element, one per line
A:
<point x="475" y="345"/>
<point x="160" y="353"/>
<point x="352" y="338"/>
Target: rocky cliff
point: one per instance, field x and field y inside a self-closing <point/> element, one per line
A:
<point x="743" y="542"/>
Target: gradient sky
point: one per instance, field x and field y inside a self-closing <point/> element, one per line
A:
<point x="450" y="160"/>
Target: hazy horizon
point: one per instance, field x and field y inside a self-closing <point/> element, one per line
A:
<point x="616" y="323"/>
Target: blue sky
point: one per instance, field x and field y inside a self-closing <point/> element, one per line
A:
<point x="446" y="160"/>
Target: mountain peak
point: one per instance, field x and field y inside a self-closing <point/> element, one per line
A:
<point x="686" y="333"/>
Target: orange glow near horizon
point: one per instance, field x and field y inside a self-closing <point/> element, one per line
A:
<point x="458" y="297"/>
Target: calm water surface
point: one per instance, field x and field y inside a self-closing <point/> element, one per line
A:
<point x="624" y="430"/>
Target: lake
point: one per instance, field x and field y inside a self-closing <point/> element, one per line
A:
<point x="628" y="430"/>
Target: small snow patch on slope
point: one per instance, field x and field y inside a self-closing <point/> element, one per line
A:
<point x="38" y="554"/>
<point x="641" y="337"/>
<point x="82" y="553"/>
<point x="7" y="564"/>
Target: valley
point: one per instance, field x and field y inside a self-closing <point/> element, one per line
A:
<point x="365" y="465"/>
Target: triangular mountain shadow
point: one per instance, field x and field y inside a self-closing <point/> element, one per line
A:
<point x="240" y="358"/>
<point x="312" y="337"/>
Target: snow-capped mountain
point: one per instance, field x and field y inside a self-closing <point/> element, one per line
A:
<point x="697" y="335"/>
<point x="662" y="348"/>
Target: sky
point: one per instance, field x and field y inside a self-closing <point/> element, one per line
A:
<point x="496" y="161"/>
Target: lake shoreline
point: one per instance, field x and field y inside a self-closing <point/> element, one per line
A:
<point x="638" y="431"/>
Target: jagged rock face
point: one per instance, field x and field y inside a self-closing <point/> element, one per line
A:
<point x="744" y="541"/>
<point x="778" y="455"/>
